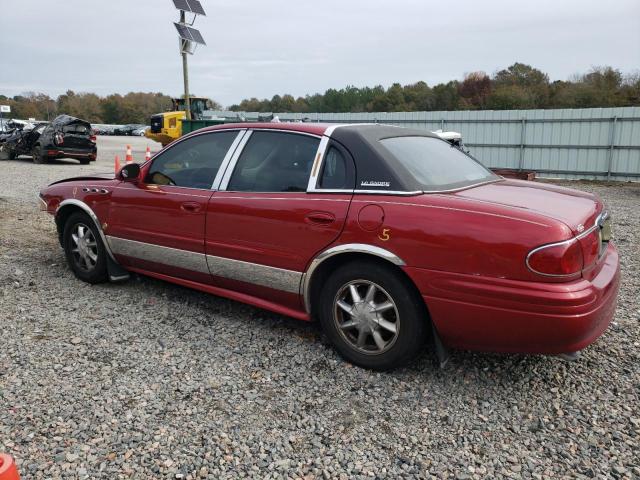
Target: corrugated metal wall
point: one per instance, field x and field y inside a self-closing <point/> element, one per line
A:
<point x="590" y="143"/>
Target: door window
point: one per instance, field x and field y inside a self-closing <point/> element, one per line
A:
<point x="192" y="163"/>
<point x="337" y="171"/>
<point x="274" y="162"/>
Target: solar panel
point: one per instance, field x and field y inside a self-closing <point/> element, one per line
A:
<point x="196" y="35"/>
<point x="188" y="33"/>
<point x="196" y="7"/>
<point x="182" y="5"/>
<point x="183" y="31"/>
<point x="193" y="6"/>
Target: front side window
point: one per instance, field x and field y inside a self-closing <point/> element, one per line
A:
<point x="274" y="162"/>
<point x="436" y="164"/>
<point x="192" y="163"/>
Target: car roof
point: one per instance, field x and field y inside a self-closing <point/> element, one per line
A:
<point x="312" y="128"/>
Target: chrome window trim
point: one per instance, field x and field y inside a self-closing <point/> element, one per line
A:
<point x="93" y="216"/>
<point x="317" y="164"/>
<point x="597" y="224"/>
<point x="227" y="159"/>
<point x="234" y="160"/>
<point x="305" y="283"/>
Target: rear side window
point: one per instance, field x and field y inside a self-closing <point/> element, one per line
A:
<point x="274" y="162"/>
<point x="337" y="171"/>
<point x="192" y="163"/>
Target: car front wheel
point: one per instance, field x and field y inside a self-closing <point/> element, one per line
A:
<point x="373" y="316"/>
<point x="83" y="247"/>
<point x="36" y="153"/>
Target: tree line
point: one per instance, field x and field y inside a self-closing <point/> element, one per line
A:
<point x="134" y="107"/>
<point x="519" y="86"/>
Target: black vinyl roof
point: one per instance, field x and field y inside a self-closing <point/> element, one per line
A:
<point x="376" y="168"/>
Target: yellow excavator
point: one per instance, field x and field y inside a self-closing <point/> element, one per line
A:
<point x="167" y="126"/>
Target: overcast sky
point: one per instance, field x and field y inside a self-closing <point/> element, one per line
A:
<point x="263" y="47"/>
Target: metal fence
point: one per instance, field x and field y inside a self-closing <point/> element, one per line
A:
<point x="590" y="143"/>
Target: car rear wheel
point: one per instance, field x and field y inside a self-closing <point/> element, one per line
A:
<point x="84" y="161"/>
<point x="36" y="153"/>
<point x="373" y="316"/>
<point x="83" y="247"/>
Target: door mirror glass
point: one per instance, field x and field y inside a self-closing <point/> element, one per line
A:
<point x="129" y="173"/>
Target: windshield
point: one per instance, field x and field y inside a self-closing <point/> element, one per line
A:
<point x="436" y="164"/>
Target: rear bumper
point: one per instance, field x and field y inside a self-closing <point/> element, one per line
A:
<point x="72" y="153"/>
<point x="493" y="314"/>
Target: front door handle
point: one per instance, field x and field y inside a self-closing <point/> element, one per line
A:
<point x="320" y="218"/>
<point x="190" y="207"/>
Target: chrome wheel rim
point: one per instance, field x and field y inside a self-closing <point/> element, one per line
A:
<point x="84" y="247"/>
<point x="366" y="317"/>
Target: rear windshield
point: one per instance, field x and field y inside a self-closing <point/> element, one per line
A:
<point x="436" y="164"/>
<point x="77" y="128"/>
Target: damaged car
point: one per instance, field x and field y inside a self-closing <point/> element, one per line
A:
<point x="64" y="137"/>
<point x="20" y="140"/>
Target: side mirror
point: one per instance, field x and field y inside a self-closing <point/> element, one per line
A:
<point x="129" y="173"/>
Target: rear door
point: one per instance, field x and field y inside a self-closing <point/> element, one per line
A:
<point x="264" y="225"/>
<point x="158" y="223"/>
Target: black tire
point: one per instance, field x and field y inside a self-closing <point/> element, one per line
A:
<point x="85" y="269"/>
<point x="11" y="154"/>
<point x="36" y="153"/>
<point x="84" y="161"/>
<point x="408" y="316"/>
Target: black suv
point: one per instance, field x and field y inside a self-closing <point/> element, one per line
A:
<point x="65" y="137"/>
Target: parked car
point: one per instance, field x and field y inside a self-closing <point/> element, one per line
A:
<point x="21" y="139"/>
<point x="64" y="137"/>
<point x="385" y="235"/>
<point x="128" y="129"/>
<point x="140" y="132"/>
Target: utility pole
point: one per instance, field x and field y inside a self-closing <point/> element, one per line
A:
<point x="185" y="69"/>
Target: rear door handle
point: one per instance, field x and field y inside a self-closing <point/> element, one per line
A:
<point x="320" y="218"/>
<point x="190" y="207"/>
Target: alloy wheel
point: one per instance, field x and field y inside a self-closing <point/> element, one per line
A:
<point x="366" y="316"/>
<point x="84" y="248"/>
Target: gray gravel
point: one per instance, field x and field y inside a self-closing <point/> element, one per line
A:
<point x="150" y="380"/>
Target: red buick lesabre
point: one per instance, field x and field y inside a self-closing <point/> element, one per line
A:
<point x="387" y="236"/>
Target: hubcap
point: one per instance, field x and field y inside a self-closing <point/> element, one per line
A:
<point x="84" y="248"/>
<point x="366" y="317"/>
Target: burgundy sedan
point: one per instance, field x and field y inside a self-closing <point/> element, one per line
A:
<point x="387" y="236"/>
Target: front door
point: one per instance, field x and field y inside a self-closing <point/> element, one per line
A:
<point x="263" y="227"/>
<point x="158" y="223"/>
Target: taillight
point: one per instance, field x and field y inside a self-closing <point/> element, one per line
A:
<point x="590" y="244"/>
<point x="92" y="138"/>
<point x="557" y="259"/>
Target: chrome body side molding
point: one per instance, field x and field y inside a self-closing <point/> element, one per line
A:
<point x="257" y="274"/>
<point x="305" y="286"/>
<point x="92" y="215"/>
<point x="173" y="257"/>
<point x="254" y="273"/>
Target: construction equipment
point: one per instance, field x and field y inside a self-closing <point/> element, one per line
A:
<point x="167" y="126"/>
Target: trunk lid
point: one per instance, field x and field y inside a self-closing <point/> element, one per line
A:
<point x="77" y="134"/>
<point x="578" y="210"/>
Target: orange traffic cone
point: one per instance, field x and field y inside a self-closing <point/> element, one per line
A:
<point x="147" y="155"/>
<point x="8" y="469"/>
<point x="129" y="157"/>
<point x="117" y="164"/>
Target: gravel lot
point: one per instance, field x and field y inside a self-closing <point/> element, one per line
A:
<point x="150" y="380"/>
